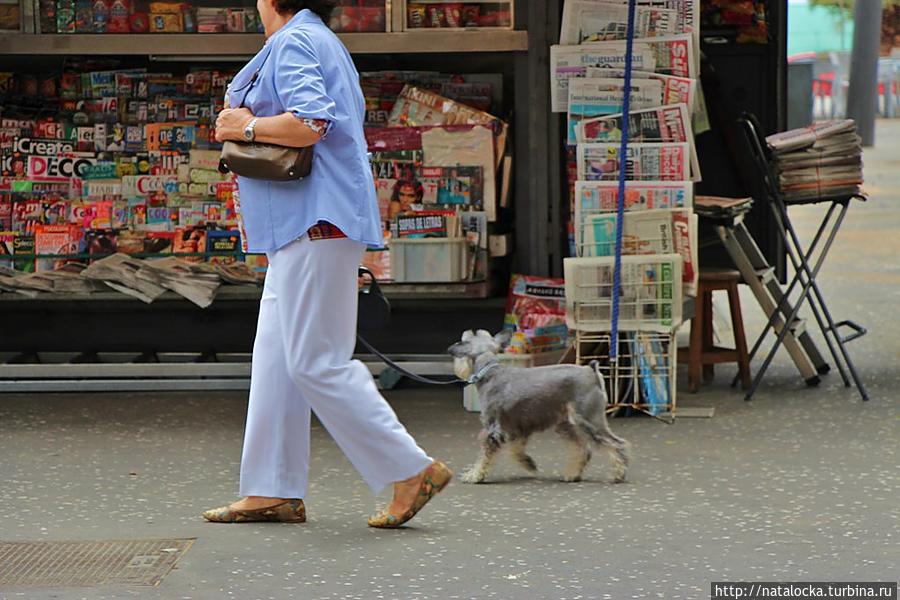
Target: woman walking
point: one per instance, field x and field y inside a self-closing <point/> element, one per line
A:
<point x="302" y="90"/>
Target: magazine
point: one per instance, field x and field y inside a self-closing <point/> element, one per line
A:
<point x="7" y="238"/>
<point x="56" y="240"/>
<point x="427" y="224"/>
<point x="417" y="106"/>
<point x="475" y="230"/>
<point x="595" y="96"/>
<point x="536" y="309"/>
<point x="652" y="366"/>
<point x="471" y="147"/>
<point x="644" y="162"/>
<point x="223" y="245"/>
<point x="462" y="186"/>
<point x="661" y="124"/>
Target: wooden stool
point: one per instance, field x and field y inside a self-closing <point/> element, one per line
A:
<point x="702" y="354"/>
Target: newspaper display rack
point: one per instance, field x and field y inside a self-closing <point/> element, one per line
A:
<point x="625" y="74"/>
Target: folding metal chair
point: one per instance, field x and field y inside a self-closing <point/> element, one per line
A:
<point x="805" y="271"/>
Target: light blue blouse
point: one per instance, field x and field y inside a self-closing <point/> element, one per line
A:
<point x="306" y="70"/>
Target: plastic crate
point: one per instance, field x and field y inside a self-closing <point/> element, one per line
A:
<point x="428" y="260"/>
<point x="649" y="298"/>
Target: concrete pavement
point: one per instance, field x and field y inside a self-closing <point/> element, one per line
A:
<point x="800" y="484"/>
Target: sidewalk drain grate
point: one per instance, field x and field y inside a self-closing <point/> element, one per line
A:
<point x="65" y="564"/>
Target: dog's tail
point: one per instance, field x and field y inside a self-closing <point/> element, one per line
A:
<point x="595" y="365"/>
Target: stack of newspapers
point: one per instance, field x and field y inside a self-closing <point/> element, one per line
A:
<point x="660" y="167"/>
<point x="666" y="108"/>
<point x="823" y="160"/>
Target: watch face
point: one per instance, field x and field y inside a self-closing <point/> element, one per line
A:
<point x="248" y="134"/>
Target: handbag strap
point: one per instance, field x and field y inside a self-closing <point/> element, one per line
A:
<point x="254" y="79"/>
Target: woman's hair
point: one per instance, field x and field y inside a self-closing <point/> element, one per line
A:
<point x="415" y="184"/>
<point x="322" y="8"/>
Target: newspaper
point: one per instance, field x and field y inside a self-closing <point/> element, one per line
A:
<point x="675" y="90"/>
<point x="198" y="282"/>
<point x="687" y="17"/>
<point x="669" y="55"/>
<point x="594" y="97"/>
<point x="807" y="137"/>
<point x="643" y="162"/>
<point x="673" y="54"/>
<point x="650" y="298"/>
<point x="820" y="161"/>
<point x="120" y="272"/>
<point x="597" y="197"/>
<point x="660" y="124"/>
<point x="645" y="232"/>
<point x="591" y="21"/>
<point x="571" y="62"/>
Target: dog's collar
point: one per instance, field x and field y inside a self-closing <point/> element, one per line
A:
<point x="482" y="373"/>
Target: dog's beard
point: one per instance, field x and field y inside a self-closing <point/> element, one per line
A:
<point x="462" y="366"/>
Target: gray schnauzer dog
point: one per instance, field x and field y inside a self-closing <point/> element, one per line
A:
<point x="515" y="403"/>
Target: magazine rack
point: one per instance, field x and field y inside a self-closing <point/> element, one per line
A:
<point x="649" y="299"/>
<point x="805" y="268"/>
<point x="643" y="377"/>
<point x="650" y="312"/>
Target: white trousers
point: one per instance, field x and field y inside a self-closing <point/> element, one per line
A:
<point x="302" y="361"/>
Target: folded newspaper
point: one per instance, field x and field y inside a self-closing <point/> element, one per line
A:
<point x="593" y="20"/>
<point x="643" y="162"/>
<point x="120" y="272"/>
<point x="660" y="124"/>
<point x="593" y="97"/>
<point x="717" y="207"/>
<point x="198" y="282"/>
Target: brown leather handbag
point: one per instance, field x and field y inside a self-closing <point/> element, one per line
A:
<point x="265" y="161"/>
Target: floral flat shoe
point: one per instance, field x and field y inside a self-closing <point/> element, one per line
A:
<point x="437" y="476"/>
<point x="289" y="511"/>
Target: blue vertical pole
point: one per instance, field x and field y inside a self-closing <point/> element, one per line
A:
<point x="620" y="215"/>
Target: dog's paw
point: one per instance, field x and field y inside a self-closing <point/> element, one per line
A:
<point x="527" y="463"/>
<point x="472" y="477"/>
<point x="572" y="478"/>
<point x="619" y="473"/>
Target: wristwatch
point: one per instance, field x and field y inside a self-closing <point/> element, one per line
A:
<point x="249" y="134"/>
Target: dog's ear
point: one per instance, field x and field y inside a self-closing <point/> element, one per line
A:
<point x="503" y="338"/>
<point x="460" y="349"/>
<point x="468" y="335"/>
<point x="483" y="333"/>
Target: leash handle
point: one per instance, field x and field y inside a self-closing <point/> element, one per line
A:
<point x="413" y="376"/>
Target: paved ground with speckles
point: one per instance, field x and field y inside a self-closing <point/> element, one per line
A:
<point x="800" y="484"/>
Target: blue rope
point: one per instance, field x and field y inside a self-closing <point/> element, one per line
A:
<point x="620" y="216"/>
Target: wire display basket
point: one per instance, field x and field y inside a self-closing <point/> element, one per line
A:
<point x="642" y="377"/>
<point x="650" y="296"/>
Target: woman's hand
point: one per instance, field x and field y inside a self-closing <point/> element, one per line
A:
<point x="231" y="123"/>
